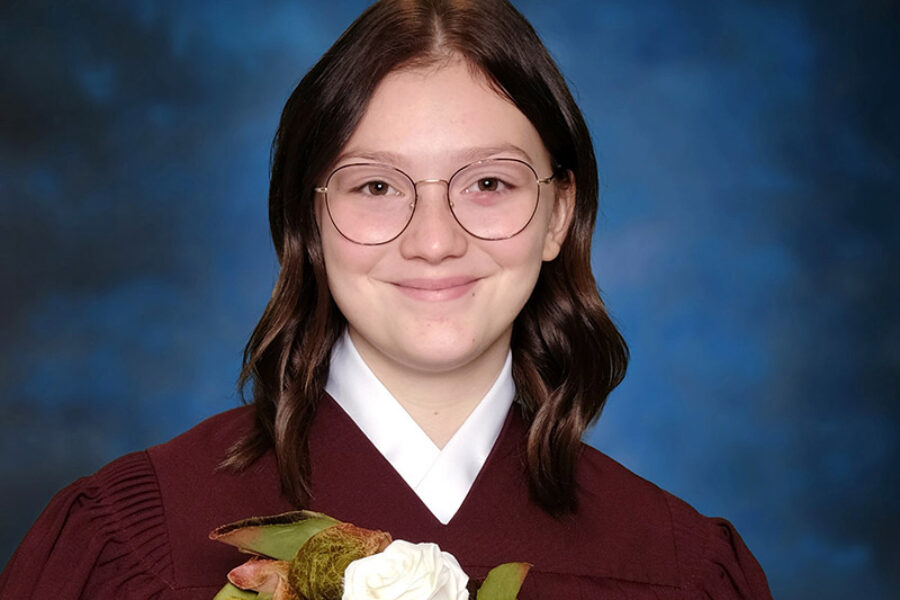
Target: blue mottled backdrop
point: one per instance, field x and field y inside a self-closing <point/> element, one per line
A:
<point x="748" y="246"/>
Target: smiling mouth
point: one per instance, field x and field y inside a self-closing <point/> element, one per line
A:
<point x="448" y="288"/>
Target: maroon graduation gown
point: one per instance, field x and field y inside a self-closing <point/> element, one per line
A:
<point x="138" y="528"/>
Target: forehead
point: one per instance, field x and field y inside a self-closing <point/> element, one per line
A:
<point x="441" y="117"/>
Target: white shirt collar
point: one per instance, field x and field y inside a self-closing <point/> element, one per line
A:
<point x="440" y="477"/>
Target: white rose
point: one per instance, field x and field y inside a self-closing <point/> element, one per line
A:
<point x="405" y="571"/>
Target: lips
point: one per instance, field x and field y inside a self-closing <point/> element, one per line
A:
<point x="436" y="289"/>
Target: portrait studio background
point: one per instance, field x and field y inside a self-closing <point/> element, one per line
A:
<point x="746" y="246"/>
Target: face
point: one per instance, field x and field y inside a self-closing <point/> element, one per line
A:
<point x="435" y="298"/>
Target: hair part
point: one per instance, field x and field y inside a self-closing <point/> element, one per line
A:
<point x="567" y="353"/>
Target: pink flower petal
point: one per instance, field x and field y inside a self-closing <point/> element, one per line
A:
<point x="260" y="575"/>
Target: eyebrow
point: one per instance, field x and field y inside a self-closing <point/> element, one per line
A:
<point x="465" y="155"/>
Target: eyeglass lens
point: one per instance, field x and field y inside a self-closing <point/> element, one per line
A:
<point x="373" y="203"/>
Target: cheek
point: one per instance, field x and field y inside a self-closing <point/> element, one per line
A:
<point x="520" y="259"/>
<point x="523" y="256"/>
<point x="347" y="271"/>
<point x="346" y="264"/>
<point x="524" y="251"/>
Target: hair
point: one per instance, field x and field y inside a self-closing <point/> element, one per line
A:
<point x="567" y="353"/>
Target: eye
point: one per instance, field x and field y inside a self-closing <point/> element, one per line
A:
<point x="375" y="188"/>
<point x="488" y="184"/>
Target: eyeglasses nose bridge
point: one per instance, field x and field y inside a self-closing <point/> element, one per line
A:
<point x="445" y="181"/>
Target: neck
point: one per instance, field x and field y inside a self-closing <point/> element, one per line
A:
<point x="438" y="401"/>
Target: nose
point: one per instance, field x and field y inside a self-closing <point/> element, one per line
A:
<point x="433" y="234"/>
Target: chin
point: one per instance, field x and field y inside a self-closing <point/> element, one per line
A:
<point x="440" y="354"/>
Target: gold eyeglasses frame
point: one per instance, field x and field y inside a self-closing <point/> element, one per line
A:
<point x="415" y="186"/>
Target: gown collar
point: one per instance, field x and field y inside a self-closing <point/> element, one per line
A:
<point x="440" y="477"/>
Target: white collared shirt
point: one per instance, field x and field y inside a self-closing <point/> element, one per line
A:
<point x="440" y="477"/>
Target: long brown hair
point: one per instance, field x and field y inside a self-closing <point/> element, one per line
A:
<point x="567" y="354"/>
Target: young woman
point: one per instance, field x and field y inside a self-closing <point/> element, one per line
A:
<point x="433" y="351"/>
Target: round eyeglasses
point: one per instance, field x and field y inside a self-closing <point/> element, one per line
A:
<point x="372" y="203"/>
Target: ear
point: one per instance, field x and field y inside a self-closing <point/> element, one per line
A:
<point x="560" y="218"/>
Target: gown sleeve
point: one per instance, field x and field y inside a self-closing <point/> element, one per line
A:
<point x="104" y="537"/>
<point x="721" y="566"/>
<point x="731" y="568"/>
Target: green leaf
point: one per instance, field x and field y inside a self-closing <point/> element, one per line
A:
<point x="278" y="536"/>
<point x="232" y="592"/>
<point x="503" y="582"/>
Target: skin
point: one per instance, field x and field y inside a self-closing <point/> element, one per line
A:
<point x="431" y="312"/>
